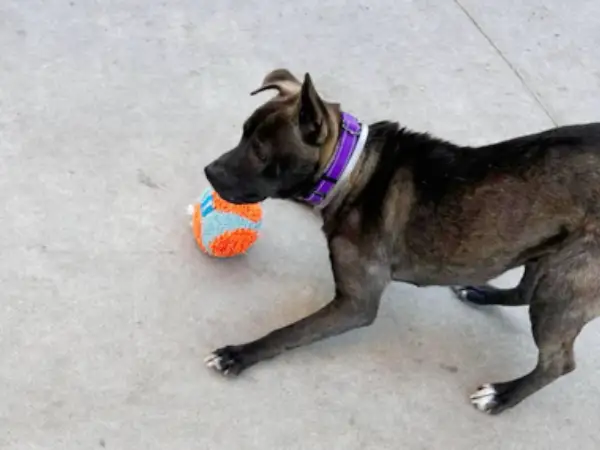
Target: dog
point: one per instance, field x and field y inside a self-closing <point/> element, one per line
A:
<point x="398" y="205"/>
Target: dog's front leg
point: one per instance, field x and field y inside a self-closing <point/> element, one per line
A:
<point x="359" y="280"/>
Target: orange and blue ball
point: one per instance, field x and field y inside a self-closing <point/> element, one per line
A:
<point x="224" y="229"/>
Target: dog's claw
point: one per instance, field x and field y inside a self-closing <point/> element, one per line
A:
<point x="485" y="398"/>
<point x="471" y="295"/>
<point x="213" y="362"/>
<point x="226" y="361"/>
<point x="460" y="292"/>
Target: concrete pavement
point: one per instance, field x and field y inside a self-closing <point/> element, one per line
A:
<point x="108" y="112"/>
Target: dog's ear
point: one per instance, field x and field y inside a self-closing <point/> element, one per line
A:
<point x="312" y="114"/>
<point x="282" y="80"/>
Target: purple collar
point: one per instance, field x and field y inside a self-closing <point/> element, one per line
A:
<point x="350" y="144"/>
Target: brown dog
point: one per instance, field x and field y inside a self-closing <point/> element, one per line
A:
<point x="408" y="207"/>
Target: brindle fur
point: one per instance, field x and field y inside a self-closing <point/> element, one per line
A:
<point x="425" y="211"/>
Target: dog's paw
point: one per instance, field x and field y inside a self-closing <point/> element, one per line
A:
<point x="485" y="399"/>
<point x="226" y="360"/>
<point x="470" y="294"/>
<point x="460" y="292"/>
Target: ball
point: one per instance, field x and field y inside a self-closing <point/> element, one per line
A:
<point x="223" y="229"/>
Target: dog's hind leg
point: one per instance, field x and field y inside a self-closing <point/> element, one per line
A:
<point x="489" y="295"/>
<point x="565" y="298"/>
<point x="360" y="281"/>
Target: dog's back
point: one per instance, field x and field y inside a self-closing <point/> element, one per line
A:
<point x="470" y="214"/>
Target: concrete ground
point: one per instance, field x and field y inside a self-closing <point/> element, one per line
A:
<point x="108" y="112"/>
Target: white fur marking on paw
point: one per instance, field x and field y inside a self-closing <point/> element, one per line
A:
<point x="214" y="362"/>
<point x="485" y="398"/>
<point x="461" y="294"/>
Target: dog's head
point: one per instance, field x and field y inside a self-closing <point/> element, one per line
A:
<point x="283" y="144"/>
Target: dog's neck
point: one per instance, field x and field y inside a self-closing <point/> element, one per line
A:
<point x="351" y="139"/>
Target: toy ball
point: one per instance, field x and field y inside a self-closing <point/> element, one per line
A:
<point x="223" y="229"/>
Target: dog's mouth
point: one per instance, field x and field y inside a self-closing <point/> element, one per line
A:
<point x="241" y="199"/>
<point x="229" y="188"/>
<point x="231" y="193"/>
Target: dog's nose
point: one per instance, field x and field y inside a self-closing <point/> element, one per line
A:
<point x="211" y="172"/>
<point x="216" y="175"/>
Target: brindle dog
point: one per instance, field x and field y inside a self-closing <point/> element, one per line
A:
<point x="425" y="211"/>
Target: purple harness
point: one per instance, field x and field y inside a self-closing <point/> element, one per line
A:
<point x="347" y="142"/>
